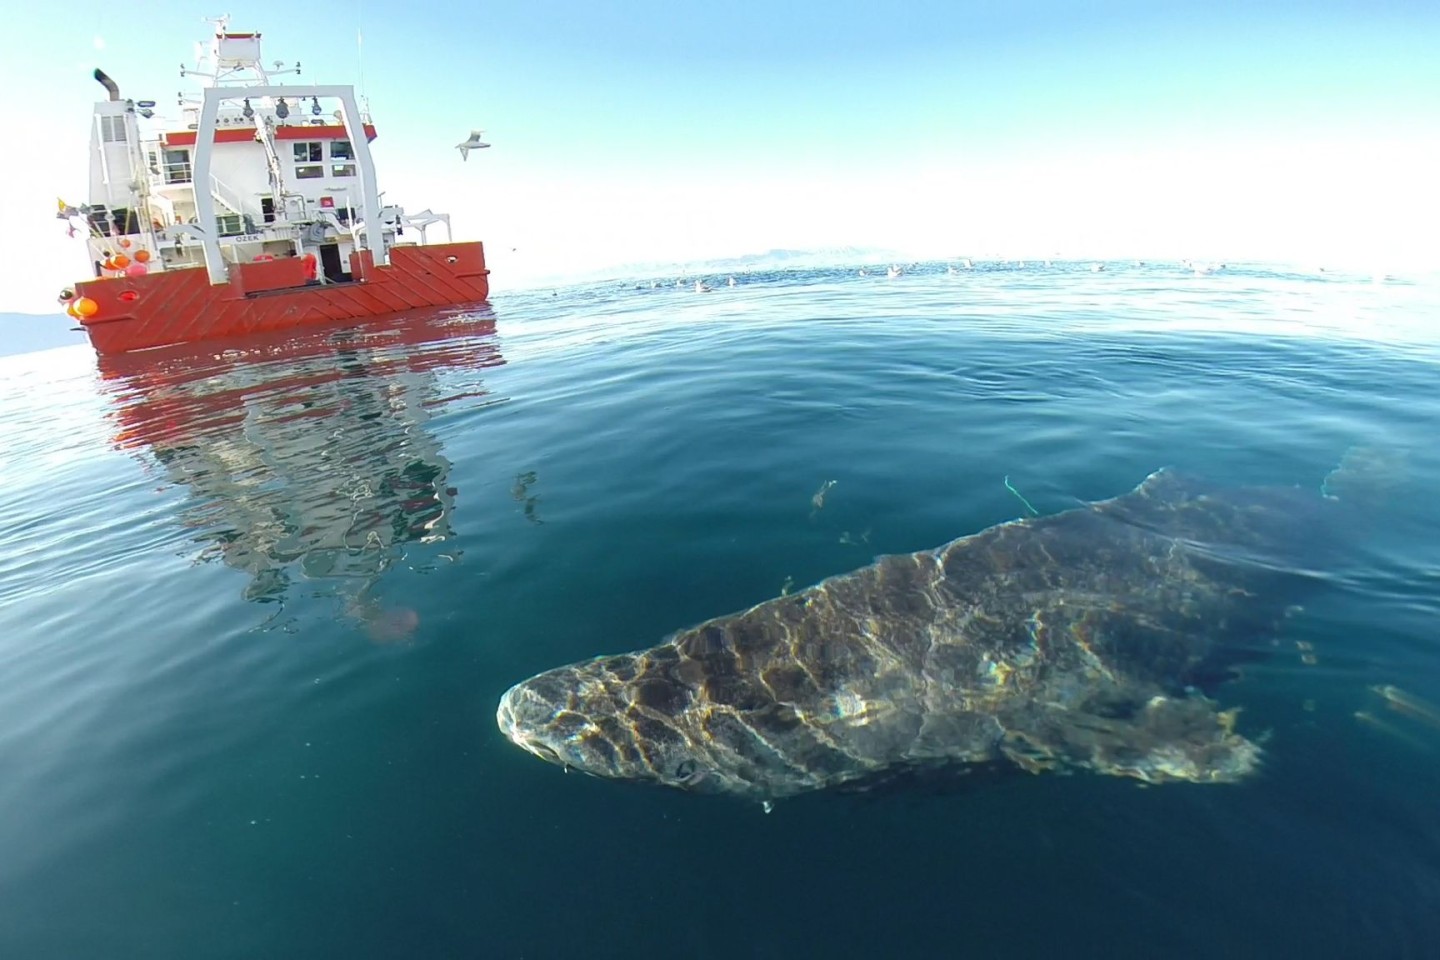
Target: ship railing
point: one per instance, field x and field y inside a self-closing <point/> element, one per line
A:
<point x="226" y="195"/>
<point x="177" y="171"/>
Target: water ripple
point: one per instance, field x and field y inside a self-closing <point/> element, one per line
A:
<point x="257" y="601"/>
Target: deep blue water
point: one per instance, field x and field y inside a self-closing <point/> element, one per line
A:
<point x="257" y="607"/>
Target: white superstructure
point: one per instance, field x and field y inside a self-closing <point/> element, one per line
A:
<point x="286" y="172"/>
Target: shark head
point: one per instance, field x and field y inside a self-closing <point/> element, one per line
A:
<point x="608" y="718"/>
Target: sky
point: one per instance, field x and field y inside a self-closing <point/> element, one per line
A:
<point x="648" y="132"/>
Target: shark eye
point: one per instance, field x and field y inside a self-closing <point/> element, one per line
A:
<point x="685" y="770"/>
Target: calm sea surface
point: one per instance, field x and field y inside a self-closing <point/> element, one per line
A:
<point x="257" y="607"/>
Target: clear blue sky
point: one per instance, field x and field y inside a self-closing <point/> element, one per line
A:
<point x="639" y="130"/>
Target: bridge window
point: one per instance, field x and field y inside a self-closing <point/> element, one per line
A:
<point x="310" y="171"/>
<point x="177" y="166"/>
<point x="308" y="152"/>
<point x="230" y="225"/>
<point x="341" y="150"/>
<point x="342" y="170"/>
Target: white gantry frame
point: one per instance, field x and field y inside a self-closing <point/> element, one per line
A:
<point x="365" y="238"/>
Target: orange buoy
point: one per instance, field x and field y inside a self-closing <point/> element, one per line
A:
<point x="141" y="256"/>
<point x="70" y="310"/>
<point x="125" y="242"/>
<point x="121" y="261"/>
<point x="85" y="307"/>
<point x="108" y="264"/>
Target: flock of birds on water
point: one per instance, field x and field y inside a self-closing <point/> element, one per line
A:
<point x="895" y="271"/>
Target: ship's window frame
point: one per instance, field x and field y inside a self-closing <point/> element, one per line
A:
<point x="176" y="165"/>
<point x="342" y="170"/>
<point x="310" y="171"/>
<point x="341" y="150"/>
<point x="308" y="151"/>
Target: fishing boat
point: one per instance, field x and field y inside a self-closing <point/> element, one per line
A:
<point x="256" y="211"/>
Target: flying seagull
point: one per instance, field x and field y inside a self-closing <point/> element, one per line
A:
<point x="474" y="143"/>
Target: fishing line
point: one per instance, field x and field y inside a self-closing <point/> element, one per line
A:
<point x="1021" y="496"/>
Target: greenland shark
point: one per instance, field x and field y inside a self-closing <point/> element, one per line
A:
<point x="1088" y="639"/>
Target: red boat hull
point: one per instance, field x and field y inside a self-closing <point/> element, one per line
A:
<point x="183" y="306"/>
<point x="179" y="395"/>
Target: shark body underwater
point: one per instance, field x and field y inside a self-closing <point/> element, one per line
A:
<point x="1078" y="640"/>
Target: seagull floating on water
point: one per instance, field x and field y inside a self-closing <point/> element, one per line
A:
<point x="474" y="143"/>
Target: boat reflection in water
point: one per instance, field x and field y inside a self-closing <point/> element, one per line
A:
<point x="306" y="454"/>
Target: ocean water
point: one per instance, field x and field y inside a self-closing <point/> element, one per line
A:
<point x="258" y="603"/>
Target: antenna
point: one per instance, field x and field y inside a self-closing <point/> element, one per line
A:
<point x="360" y="44"/>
